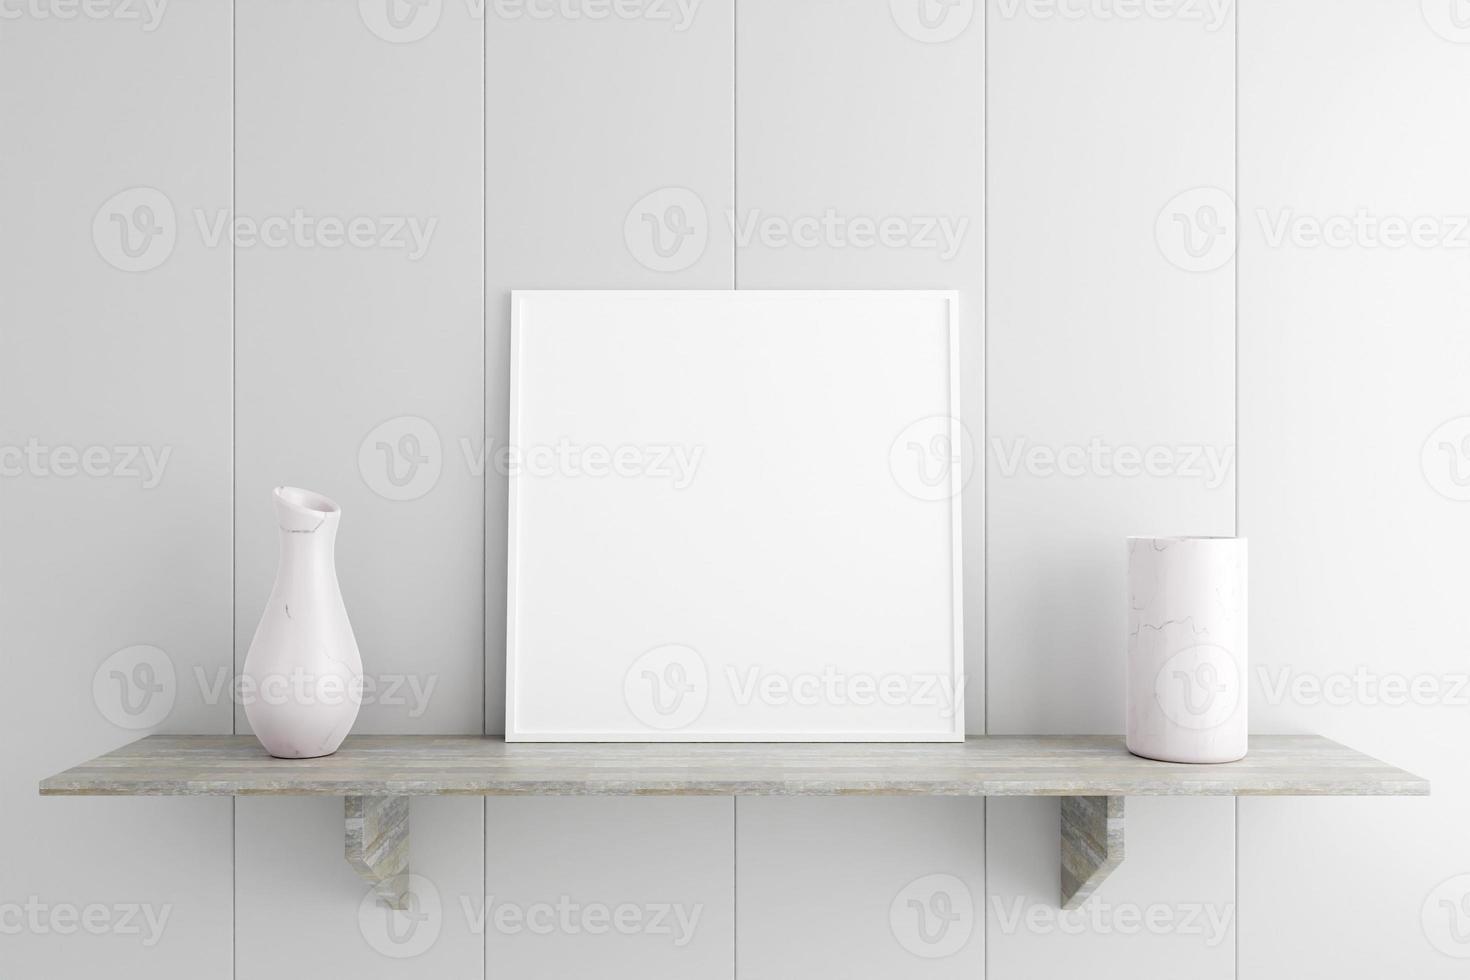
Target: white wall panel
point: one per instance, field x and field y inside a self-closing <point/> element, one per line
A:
<point x="1111" y="405"/>
<point x="609" y="172"/>
<point x="359" y="375"/>
<point x="860" y="165"/>
<point x="860" y="888"/>
<point x="1355" y="295"/>
<point x="114" y="479"/>
<point x="637" y="888"/>
<point x="358" y="338"/>
<point x="303" y="911"/>
<point x="608" y="161"/>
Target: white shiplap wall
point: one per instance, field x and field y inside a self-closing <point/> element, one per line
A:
<point x="110" y="124"/>
<point x="528" y="141"/>
<point x="1101" y="333"/>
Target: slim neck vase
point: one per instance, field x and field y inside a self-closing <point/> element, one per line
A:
<point x="302" y="683"/>
<point x="1187" y="630"/>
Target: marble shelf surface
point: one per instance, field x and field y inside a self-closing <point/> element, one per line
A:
<point x="434" y="765"/>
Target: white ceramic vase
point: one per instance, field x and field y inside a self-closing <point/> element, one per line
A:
<point x="1187" y="681"/>
<point x="302" y="683"/>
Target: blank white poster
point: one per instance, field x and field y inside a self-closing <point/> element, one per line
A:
<point x="734" y="516"/>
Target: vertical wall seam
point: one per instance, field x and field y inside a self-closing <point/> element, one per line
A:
<point x="485" y="483"/>
<point x="234" y="443"/>
<point x="1235" y="176"/>
<point x="484" y="383"/>
<point x="735" y="284"/>
<point x="985" y="435"/>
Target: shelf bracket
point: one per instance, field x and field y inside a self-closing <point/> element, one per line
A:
<point x="377" y="844"/>
<point x="1092" y="844"/>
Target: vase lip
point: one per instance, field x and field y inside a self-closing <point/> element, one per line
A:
<point x="1185" y="537"/>
<point x="304" y="511"/>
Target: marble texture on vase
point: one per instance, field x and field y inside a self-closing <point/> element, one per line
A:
<point x="302" y="679"/>
<point x="476" y="765"/>
<point x="1187" y="684"/>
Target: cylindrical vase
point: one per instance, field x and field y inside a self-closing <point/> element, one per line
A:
<point x="1187" y="679"/>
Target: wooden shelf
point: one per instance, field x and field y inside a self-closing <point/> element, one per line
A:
<point x="376" y="773"/>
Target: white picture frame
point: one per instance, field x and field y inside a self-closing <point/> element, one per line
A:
<point x="714" y="533"/>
